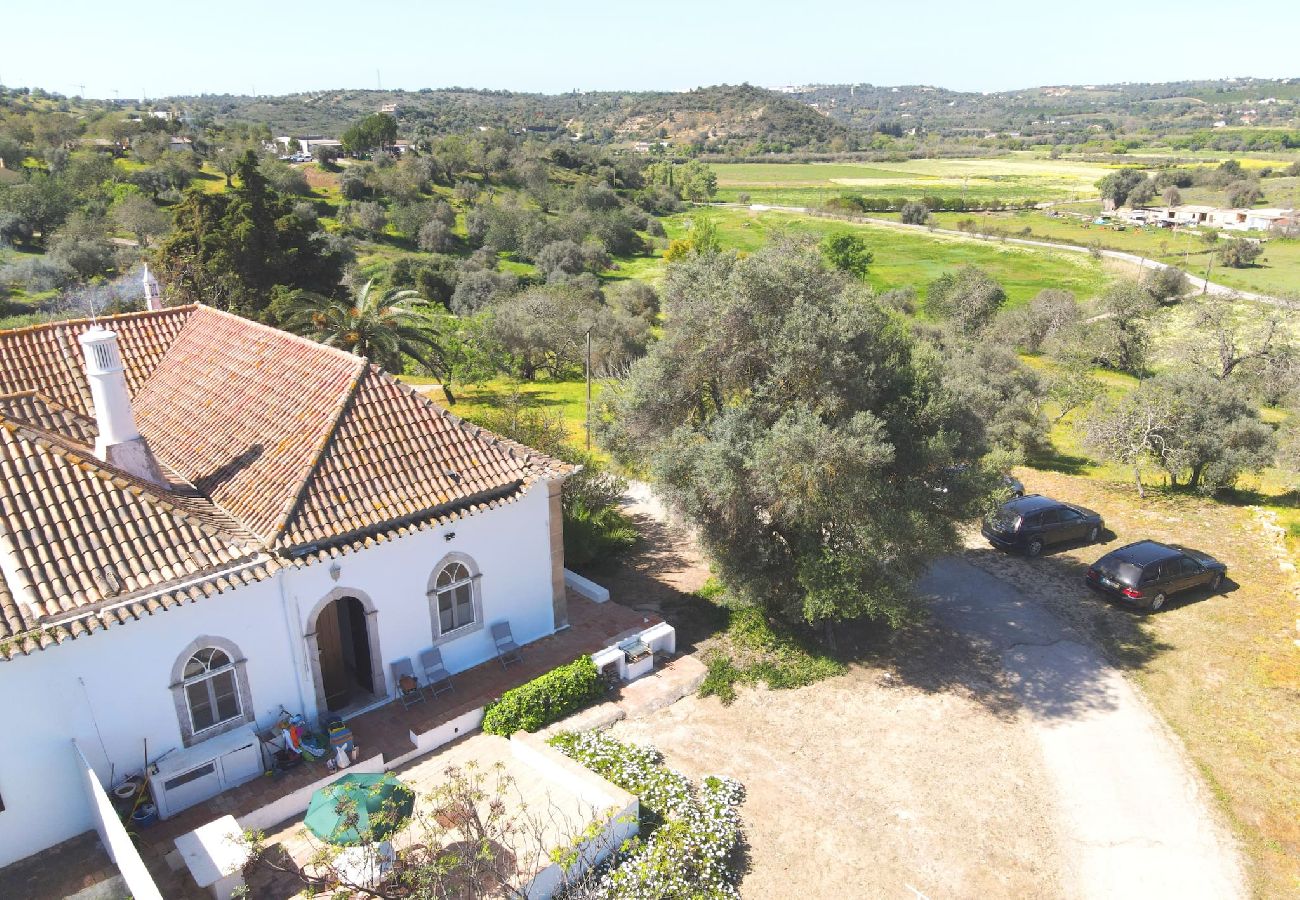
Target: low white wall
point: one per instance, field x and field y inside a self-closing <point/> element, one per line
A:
<point x="296" y="804"/>
<point x="449" y="731"/>
<point x="117" y="843"/>
<point x="620" y="810"/>
<point x="586" y="587"/>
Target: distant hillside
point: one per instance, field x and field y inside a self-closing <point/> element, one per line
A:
<point x="1071" y="111"/>
<point x="735" y="119"/>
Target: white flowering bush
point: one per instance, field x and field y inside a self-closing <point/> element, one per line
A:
<point x="688" y="834"/>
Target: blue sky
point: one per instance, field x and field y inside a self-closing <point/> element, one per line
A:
<point x="270" y="47"/>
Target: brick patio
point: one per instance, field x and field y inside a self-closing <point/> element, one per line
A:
<point x="387" y="729"/>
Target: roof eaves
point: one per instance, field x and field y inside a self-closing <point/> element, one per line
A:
<point x="446" y="512"/>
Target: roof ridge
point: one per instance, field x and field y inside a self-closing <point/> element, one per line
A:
<point x="93" y="320"/>
<point x="319" y="345"/>
<point x="108" y="472"/>
<point x="345" y="400"/>
<point x="48" y="401"/>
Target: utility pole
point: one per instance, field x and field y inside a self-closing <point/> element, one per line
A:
<point x="1208" y="266"/>
<point x="589" y="327"/>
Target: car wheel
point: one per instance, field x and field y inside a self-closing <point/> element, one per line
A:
<point x="1217" y="582"/>
<point x="1092" y="534"/>
<point x="1034" y="547"/>
<point x="1158" y="601"/>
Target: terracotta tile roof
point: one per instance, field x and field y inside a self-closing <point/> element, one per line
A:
<point x="242" y="411"/>
<point x="396" y="455"/>
<point x="78" y="534"/>
<point x="41" y="412"/>
<point x="47" y="358"/>
<point x="277" y="450"/>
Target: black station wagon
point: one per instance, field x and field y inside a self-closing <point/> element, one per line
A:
<point x="1148" y="573"/>
<point x="1033" y="522"/>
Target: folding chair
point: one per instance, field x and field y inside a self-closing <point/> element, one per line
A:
<point x="507" y="650"/>
<point x="436" y="675"/>
<point x="410" y="694"/>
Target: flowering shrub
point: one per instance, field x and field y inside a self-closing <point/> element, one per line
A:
<point x="545" y="699"/>
<point x="688" y="834"/>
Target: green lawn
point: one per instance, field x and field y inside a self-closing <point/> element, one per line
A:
<point x="1277" y="272"/>
<point x="568" y="398"/>
<point x="1014" y="177"/>
<point x="906" y="258"/>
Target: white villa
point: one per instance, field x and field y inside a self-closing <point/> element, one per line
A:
<point x="205" y="521"/>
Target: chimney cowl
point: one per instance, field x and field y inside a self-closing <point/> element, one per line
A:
<point x="119" y="441"/>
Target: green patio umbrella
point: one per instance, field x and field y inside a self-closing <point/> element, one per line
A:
<point x="359" y="809"/>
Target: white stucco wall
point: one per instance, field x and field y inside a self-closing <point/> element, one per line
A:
<point x="109" y="690"/>
<point x="510" y="547"/>
<point x="110" y="693"/>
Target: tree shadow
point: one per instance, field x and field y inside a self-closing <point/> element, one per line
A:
<point x="932" y="659"/>
<point x="523" y="399"/>
<point x="1016" y="635"/>
<point x="273" y="875"/>
<point x="661" y="574"/>
<point x="1054" y="460"/>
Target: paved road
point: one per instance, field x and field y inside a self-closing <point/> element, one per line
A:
<point x="1137" y="819"/>
<point x="1197" y="283"/>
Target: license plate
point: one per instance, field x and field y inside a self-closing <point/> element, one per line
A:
<point x="1109" y="582"/>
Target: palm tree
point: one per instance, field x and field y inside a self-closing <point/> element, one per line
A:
<point x="382" y="328"/>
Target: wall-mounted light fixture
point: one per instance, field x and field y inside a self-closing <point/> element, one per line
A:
<point x="449" y="535"/>
<point x="335" y="571"/>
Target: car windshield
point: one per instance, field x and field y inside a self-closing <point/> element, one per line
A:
<point x="1004" y="520"/>
<point x="1120" y="570"/>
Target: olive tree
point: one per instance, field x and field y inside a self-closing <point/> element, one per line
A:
<point x="803" y="431"/>
<point x="968" y="298"/>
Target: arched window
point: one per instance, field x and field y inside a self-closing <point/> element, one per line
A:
<point x="210" y="689"/>
<point x="454" y="589"/>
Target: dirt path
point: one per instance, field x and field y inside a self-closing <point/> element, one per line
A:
<point x="891" y="781"/>
<point x="1136" y="818"/>
<point x="991" y="754"/>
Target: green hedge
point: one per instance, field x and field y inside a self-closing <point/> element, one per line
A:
<point x="545" y="699"/>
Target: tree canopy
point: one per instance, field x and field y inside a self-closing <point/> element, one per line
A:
<point x="803" y="430"/>
<point x="371" y="133"/>
<point x="236" y="250"/>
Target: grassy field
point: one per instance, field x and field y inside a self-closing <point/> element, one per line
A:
<point x="1014" y="177"/>
<point x="1277" y="272"/>
<point x="567" y="398"/>
<point x="905" y="258"/>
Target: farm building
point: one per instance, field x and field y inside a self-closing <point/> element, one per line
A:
<point x="1212" y="217"/>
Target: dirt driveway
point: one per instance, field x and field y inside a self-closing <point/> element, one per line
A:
<point x="876" y="785"/>
<point x="981" y="756"/>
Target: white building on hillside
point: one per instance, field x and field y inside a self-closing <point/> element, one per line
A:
<point x="204" y="521"/>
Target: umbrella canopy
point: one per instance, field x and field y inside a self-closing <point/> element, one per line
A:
<point x="359" y="809"/>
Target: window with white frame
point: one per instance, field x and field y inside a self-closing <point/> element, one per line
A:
<point x="454" y="590"/>
<point x="211" y="689"/>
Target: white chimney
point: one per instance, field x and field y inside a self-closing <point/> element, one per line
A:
<point x="152" y="295"/>
<point x="119" y="441"/>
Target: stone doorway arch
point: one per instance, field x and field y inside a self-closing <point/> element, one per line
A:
<point x="343" y="652"/>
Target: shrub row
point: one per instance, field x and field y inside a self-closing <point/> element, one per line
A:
<point x="855" y="203"/>
<point x="545" y="699"/>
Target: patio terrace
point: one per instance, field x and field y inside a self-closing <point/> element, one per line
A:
<point x="386" y="736"/>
